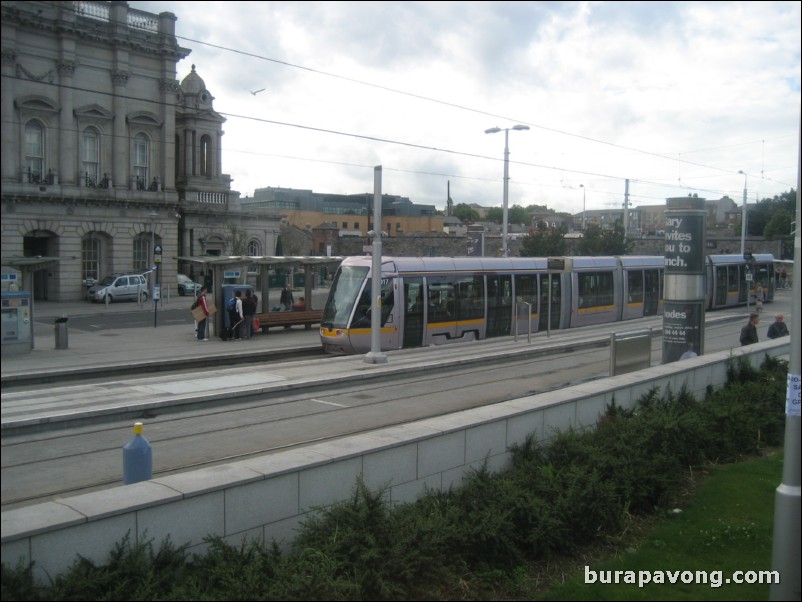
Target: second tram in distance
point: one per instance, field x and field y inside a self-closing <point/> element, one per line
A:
<point x="439" y="300"/>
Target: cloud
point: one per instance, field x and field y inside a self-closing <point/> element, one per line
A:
<point x="677" y="97"/>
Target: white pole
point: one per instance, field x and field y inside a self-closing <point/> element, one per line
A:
<point x="785" y="551"/>
<point x="375" y="355"/>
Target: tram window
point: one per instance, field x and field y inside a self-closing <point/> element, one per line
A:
<point x="595" y="289"/>
<point x="635" y="286"/>
<point x="732" y="278"/>
<point x="362" y="314"/>
<point x="470" y="297"/>
<point x="344" y="290"/>
<point x="441" y="300"/>
<point x="526" y="290"/>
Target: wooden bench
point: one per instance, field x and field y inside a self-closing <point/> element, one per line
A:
<point x="289" y="318"/>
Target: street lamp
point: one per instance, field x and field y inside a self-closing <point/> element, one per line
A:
<point x="743" y="217"/>
<point x="506" y="178"/>
<point x="582" y="186"/>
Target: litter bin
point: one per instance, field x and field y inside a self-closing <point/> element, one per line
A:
<point x="61" y="333"/>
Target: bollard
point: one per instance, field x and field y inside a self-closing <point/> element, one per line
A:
<point x="62" y="341"/>
<point x="137" y="458"/>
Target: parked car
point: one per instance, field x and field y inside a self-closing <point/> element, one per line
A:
<point x="186" y="286"/>
<point x="119" y="287"/>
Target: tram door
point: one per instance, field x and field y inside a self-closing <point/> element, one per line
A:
<point x="499" y="305"/>
<point x="526" y="292"/>
<point x="651" y="297"/>
<point x="413" y="312"/>
<point x="556" y="301"/>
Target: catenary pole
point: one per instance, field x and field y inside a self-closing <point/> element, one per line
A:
<point x="375" y="355"/>
<point x="785" y="552"/>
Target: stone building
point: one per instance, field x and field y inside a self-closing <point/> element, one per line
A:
<point x="106" y="157"/>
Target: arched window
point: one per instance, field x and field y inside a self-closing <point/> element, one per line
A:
<point x="34" y="152"/>
<point x="254" y="248"/>
<point x="90" y="258"/>
<point x="141" y="253"/>
<point x="141" y="160"/>
<point x="91" y="157"/>
<point x="206" y="156"/>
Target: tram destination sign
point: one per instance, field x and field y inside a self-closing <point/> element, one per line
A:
<point x="555" y="263"/>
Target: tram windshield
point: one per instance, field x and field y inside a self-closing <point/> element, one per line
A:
<point x="343" y="295"/>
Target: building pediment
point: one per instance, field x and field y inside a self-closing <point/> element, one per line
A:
<point x="36" y="103"/>
<point x="144" y="118"/>
<point x="93" y="111"/>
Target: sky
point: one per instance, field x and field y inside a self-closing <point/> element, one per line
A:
<point x="675" y="98"/>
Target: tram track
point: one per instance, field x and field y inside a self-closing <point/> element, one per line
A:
<point x="234" y="432"/>
<point x="39" y="466"/>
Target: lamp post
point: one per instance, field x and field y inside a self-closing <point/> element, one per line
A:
<point x="582" y="186"/>
<point x="743" y="217"/>
<point x="506" y="178"/>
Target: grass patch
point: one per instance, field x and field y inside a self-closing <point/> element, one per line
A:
<point x="727" y="527"/>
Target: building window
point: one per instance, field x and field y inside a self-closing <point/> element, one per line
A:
<point x="206" y="156"/>
<point x="254" y="248"/>
<point x="91" y="157"/>
<point x="90" y="258"/>
<point x="141" y="244"/>
<point x="34" y="152"/>
<point x="141" y="159"/>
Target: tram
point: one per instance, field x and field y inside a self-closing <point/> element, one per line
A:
<point x="440" y="300"/>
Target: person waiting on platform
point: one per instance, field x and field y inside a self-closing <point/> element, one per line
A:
<point x="299" y="305"/>
<point x="777" y="328"/>
<point x="749" y="332"/>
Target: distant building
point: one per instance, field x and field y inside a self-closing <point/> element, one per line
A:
<point x="353" y="213"/>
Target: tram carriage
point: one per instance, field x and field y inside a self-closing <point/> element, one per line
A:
<point x="439" y="300"/>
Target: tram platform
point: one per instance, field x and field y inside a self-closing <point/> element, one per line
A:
<point x="147" y="350"/>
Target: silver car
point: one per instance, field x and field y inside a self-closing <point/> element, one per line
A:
<point x="119" y="287"/>
<point x="186" y="286"/>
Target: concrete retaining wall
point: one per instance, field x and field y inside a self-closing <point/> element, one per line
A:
<point x="267" y="498"/>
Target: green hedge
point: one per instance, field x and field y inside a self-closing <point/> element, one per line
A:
<point x="567" y="492"/>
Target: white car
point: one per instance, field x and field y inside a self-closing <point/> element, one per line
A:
<point x="119" y="287"/>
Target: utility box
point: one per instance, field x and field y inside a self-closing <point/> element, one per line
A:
<point x="17" y="322"/>
<point x="630" y="351"/>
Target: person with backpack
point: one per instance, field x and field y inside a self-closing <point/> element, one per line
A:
<point x="235" y="317"/>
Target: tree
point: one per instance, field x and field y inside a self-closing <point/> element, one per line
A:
<point x="543" y="242"/>
<point x="518" y="215"/>
<point x="611" y="241"/>
<point x="238" y="239"/>
<point x="495" y="214"/>
<point x="465" y="213"/>
<point x="760" y="214"/>
<point x="780" y="225"/>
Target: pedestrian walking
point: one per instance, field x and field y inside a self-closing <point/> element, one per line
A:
<point x="749" y="332"/>
<point x="777" y="328"/>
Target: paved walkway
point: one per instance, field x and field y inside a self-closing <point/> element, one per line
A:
<point x="124" y="346"/>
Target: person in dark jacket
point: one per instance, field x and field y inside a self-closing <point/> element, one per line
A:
<point x="286" y="297"/>
<point x="248" y="312"/>
<point x="778" y="328"/>
<point x="749" y="332"/>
